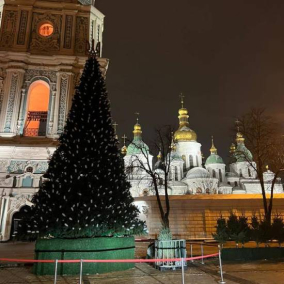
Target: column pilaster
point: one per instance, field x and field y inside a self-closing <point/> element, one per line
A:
<point x="21" y="118"/>
<point x="11" y="102"/>
<point x="65" y="90"/>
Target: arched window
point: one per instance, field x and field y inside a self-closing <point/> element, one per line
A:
<point x="37" y="109"/>
<point x="236" y="183"/>
<point x="213" y="174"/>
<point x="198" y="190"/>
<point x="241" y="174"/>
<point x="145" y="192"/>
<point x="249" y="172"/>
<point x="184" y="163"/>
<point x="190" y="161"/>
<point x="197" y="164"/>
<point x="171" y="174"/>
<point x="176" y="173"/>
<point x="220" y="175"/>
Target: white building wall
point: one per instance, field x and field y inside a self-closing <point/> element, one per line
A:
<point x="187" y="149"/>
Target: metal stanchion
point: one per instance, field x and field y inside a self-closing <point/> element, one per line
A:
<point x="221" y="268"/>
<point x="81" y="271"/>
<point x="182" y="271"/>
<point x="202" y="260"/>
<point x="55" y="271"/>
<point x="191" y="254"/>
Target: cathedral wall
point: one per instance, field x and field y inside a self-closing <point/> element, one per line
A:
<point x="190" y="152"/>
<point x="195" y="216"/>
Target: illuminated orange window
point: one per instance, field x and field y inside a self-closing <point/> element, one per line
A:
<point x="46" y="29"/>
<point x="37" y="109"/>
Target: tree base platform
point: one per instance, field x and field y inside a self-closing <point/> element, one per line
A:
<point x="83" y="248"/>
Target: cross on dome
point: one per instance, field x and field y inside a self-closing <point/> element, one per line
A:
<point x="182" y="99"/>
<point x="137" y="113"/>
<point x="124" y="137"/>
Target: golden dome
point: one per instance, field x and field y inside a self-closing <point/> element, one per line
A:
<point x="185" y="134"/>
<point x="137" y="129"/>
<point x="183" y="111"/>
<point x="124" y="150"/>
<point x="239" y="137"/>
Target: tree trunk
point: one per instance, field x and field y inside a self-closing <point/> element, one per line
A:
<point x="164" y="221"/>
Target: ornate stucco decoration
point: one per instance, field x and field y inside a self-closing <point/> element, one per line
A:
<point x="85" y="2"/>
<point x="50" y="43"/>
<point x="9" y="23"/>
<point x="81" y="35"/>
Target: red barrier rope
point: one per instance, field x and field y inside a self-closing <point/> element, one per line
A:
<point x="107" y="260"/>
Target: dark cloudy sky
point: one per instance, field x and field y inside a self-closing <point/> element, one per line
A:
<point x="225" y="56"/>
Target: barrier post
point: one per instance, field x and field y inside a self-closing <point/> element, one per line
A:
<point x="191" y="254"/>
<point x="81" y="271"/>
<point x="182" y="270"/>
<point x="55" y="271"/>
<point x="202" y="260"/>
<point x="221" y="268"/>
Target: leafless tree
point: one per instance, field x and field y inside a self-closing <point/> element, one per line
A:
<point x="264" y="140"/>
<point x="162" y="144"/>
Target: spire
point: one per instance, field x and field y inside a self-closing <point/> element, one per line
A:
<point x="184" y="133"/>
<point x="213" y="149"/>
<point x="183" y="113"/>
<point x="239" y="136"/>
<point x="115" y="130"/>
<point x="159" y="157"/>
<point x="124" y="148"/>
<point x="181" y="99"/>
<point x="137" y="128"/>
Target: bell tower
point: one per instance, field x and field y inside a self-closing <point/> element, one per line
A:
<point x="42" y="52"/>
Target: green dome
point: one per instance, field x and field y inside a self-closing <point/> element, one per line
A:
<point x="214" y="159"/>
<point x="242" y="153"/>
<point x="137" y="146"/>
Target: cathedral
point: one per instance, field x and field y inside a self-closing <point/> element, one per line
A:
<point x="43" y="48"/>
<point x="189" y="172"/>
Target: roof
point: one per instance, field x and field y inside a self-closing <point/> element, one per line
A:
<point x="242" y="153"/>
<point x="137" y="147"/>
<point x="197" y="172"/>
<point x="214" y="159"/>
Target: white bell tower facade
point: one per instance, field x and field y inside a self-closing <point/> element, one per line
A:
<point x="42" y="52"/>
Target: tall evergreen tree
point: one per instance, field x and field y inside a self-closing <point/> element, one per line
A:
<point x="85" y="192"/>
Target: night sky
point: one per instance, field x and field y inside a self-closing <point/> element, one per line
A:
<point x="225" y="56"/>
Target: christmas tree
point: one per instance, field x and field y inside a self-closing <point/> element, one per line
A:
<point x="85" y="192"/>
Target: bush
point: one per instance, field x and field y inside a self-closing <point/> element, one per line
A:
<point x="265" y="231"/>
<point x="221" y="235"/>
<point x="254" y="232"/>
<point x="278" y="229"/>
<point x="238" y="229"/>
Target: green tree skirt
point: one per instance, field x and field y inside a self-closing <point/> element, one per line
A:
<point x="92" y="248"/>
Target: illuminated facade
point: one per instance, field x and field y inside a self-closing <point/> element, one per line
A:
<point x="42" y="52"/>
<point x="189" y="174"/>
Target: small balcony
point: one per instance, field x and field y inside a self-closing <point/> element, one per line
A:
<point x="36" y="124"/>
